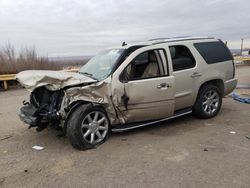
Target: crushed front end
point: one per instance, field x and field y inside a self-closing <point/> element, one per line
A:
<point x="42" y="109"/>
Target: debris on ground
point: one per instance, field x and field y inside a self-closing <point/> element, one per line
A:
<point x="205" y="149"/>
<point x="248" y="137"/>
<point x="38" y="148"/>
<point x="237" y="97"/>
<point x="232" y="132"/>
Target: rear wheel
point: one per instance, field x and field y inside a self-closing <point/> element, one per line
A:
<point x="208" y="102"/>
<point x="88" y="127"/>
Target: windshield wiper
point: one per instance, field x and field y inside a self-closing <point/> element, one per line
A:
<point x="88" y="74"/>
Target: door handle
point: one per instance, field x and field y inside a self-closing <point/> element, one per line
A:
<point x="195" y="74"/>
<point x="163" y="85"/>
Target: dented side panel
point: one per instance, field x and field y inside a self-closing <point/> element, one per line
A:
<point x="97" y="93"/>
<point x="147" y="101"/>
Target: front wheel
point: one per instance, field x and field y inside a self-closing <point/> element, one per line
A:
<point x="88" y="127"/>
<point x="208" y="102"/>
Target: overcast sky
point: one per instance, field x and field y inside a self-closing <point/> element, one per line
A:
<point x="83" y="27"/>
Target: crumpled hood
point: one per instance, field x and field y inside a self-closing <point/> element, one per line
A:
<point x="52" y="80"/>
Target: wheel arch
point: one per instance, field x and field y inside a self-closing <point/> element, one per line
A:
<point x="198" y="105"/>
<point x="72" y="107"/>
<point x="216" y="82"/>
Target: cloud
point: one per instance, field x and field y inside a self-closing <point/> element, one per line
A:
<point x="82" y="27"/>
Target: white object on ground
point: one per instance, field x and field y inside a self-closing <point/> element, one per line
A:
<point x="38" y="148"/>
<point x="232" y="132"/>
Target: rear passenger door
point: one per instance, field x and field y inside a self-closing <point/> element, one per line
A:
<point x="185" y="71"/>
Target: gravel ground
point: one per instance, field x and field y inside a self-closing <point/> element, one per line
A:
<point x="185" y="152"/>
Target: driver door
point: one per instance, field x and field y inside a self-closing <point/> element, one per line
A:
<point x="147" y="89"/>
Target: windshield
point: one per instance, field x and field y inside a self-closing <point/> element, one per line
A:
<point x="100" y="66"/>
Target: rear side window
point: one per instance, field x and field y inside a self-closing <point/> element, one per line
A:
<point x="213" y="52"/>
<point x="182" y="58"/>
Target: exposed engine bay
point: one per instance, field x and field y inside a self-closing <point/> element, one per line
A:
<point x="43" y="108"/>
<point x="56" y="94"/>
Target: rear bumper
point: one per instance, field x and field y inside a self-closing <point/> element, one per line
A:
<point x="230" y="85"/>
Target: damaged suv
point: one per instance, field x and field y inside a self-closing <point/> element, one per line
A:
<point x="129" y="87"/>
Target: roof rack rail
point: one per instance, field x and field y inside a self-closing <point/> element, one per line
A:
<point x="158" y="39"/>
<point x="173" y="39"/>
<point x="165" y="38"/>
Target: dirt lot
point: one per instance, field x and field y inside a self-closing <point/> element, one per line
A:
<point x="186" y="152"/>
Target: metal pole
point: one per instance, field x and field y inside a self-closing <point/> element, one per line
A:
<point x="241" y="49"/>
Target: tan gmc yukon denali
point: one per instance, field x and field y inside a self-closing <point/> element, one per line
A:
<point x="129" y="87"/>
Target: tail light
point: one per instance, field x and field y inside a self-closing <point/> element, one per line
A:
<point x="233" y="68"/>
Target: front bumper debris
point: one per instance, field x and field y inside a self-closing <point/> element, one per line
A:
<point x="27" y="119"/>
<point x="26" y="114"/>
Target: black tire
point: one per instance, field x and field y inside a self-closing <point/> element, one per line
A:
<point x="199" y="107"/>
<point x="75" y="130"/>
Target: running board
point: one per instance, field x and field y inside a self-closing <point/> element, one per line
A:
<point x="130" y="126"/>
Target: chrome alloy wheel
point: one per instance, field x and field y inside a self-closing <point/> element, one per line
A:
<point x="94" y="127"/>
<point x="210" y="102"/>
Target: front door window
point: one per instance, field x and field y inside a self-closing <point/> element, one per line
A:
<point x="146" y="65"/>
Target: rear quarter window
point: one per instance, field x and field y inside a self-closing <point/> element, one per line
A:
<point x="213" y="52"/>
